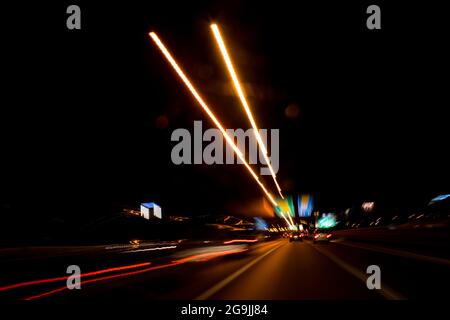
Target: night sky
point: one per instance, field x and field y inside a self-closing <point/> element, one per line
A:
<point x="87" y="115"/>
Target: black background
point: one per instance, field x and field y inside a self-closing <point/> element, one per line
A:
<point x="79" y="131"/>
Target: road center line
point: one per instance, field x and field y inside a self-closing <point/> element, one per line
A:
<point x="220" y="285"/>
<point x="385" y="291"/>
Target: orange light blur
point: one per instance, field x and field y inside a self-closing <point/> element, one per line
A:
<point x="205" y="107"/>
<point x="240" y="240"/>
<point x="244" y="102"/>
<point x="208" y="256"/>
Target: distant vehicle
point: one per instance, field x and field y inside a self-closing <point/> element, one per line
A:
<point x="307" y="234"/>
<point x="296" y="236"/>
<point x="321" y="235"/>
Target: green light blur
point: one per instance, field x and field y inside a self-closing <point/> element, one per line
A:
<point x="326" y="222"/>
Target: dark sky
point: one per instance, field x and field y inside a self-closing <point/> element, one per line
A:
<point x="80" y="133"/>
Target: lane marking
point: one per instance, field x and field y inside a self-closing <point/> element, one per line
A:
<point x="385" y="291"/>
<point x="220" y="285"/>
<point x="400" y="253"/>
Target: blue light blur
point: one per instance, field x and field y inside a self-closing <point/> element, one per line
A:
<point x="440" y="198"/>
<point x="260" y="224"/>
<point x="305" y="205"/>
<point x="149" y="204"/>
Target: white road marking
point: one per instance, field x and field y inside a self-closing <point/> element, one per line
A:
<point x="220" y="285"/>
<point x="385" y="291"/>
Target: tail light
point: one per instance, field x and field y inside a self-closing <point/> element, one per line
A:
<point x="316" y="236"/>
<point x="329" y="235"/>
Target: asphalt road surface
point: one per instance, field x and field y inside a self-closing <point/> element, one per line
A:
<point x="270" y="270"/>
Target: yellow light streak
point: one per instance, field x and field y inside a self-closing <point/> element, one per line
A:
<point x="205" y="107"/>
<point x="287" y="221"/>
<point x="237" y="86"/>
<point x="290" y="219"/>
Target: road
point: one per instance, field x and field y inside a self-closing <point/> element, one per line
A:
<point x="277" y="270"/>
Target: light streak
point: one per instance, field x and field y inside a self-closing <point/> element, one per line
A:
<point x="205" y="107"/>
<point x="193" y="258"/>
<point x="150" y="249"/>
<point x="244" y="102"/>
<point x="290" y="219"/>
<point x="208" y="256"/>
<point x="240" y="240"/>
<point x="47" y="293"/>
<point x="63" y="278"/>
